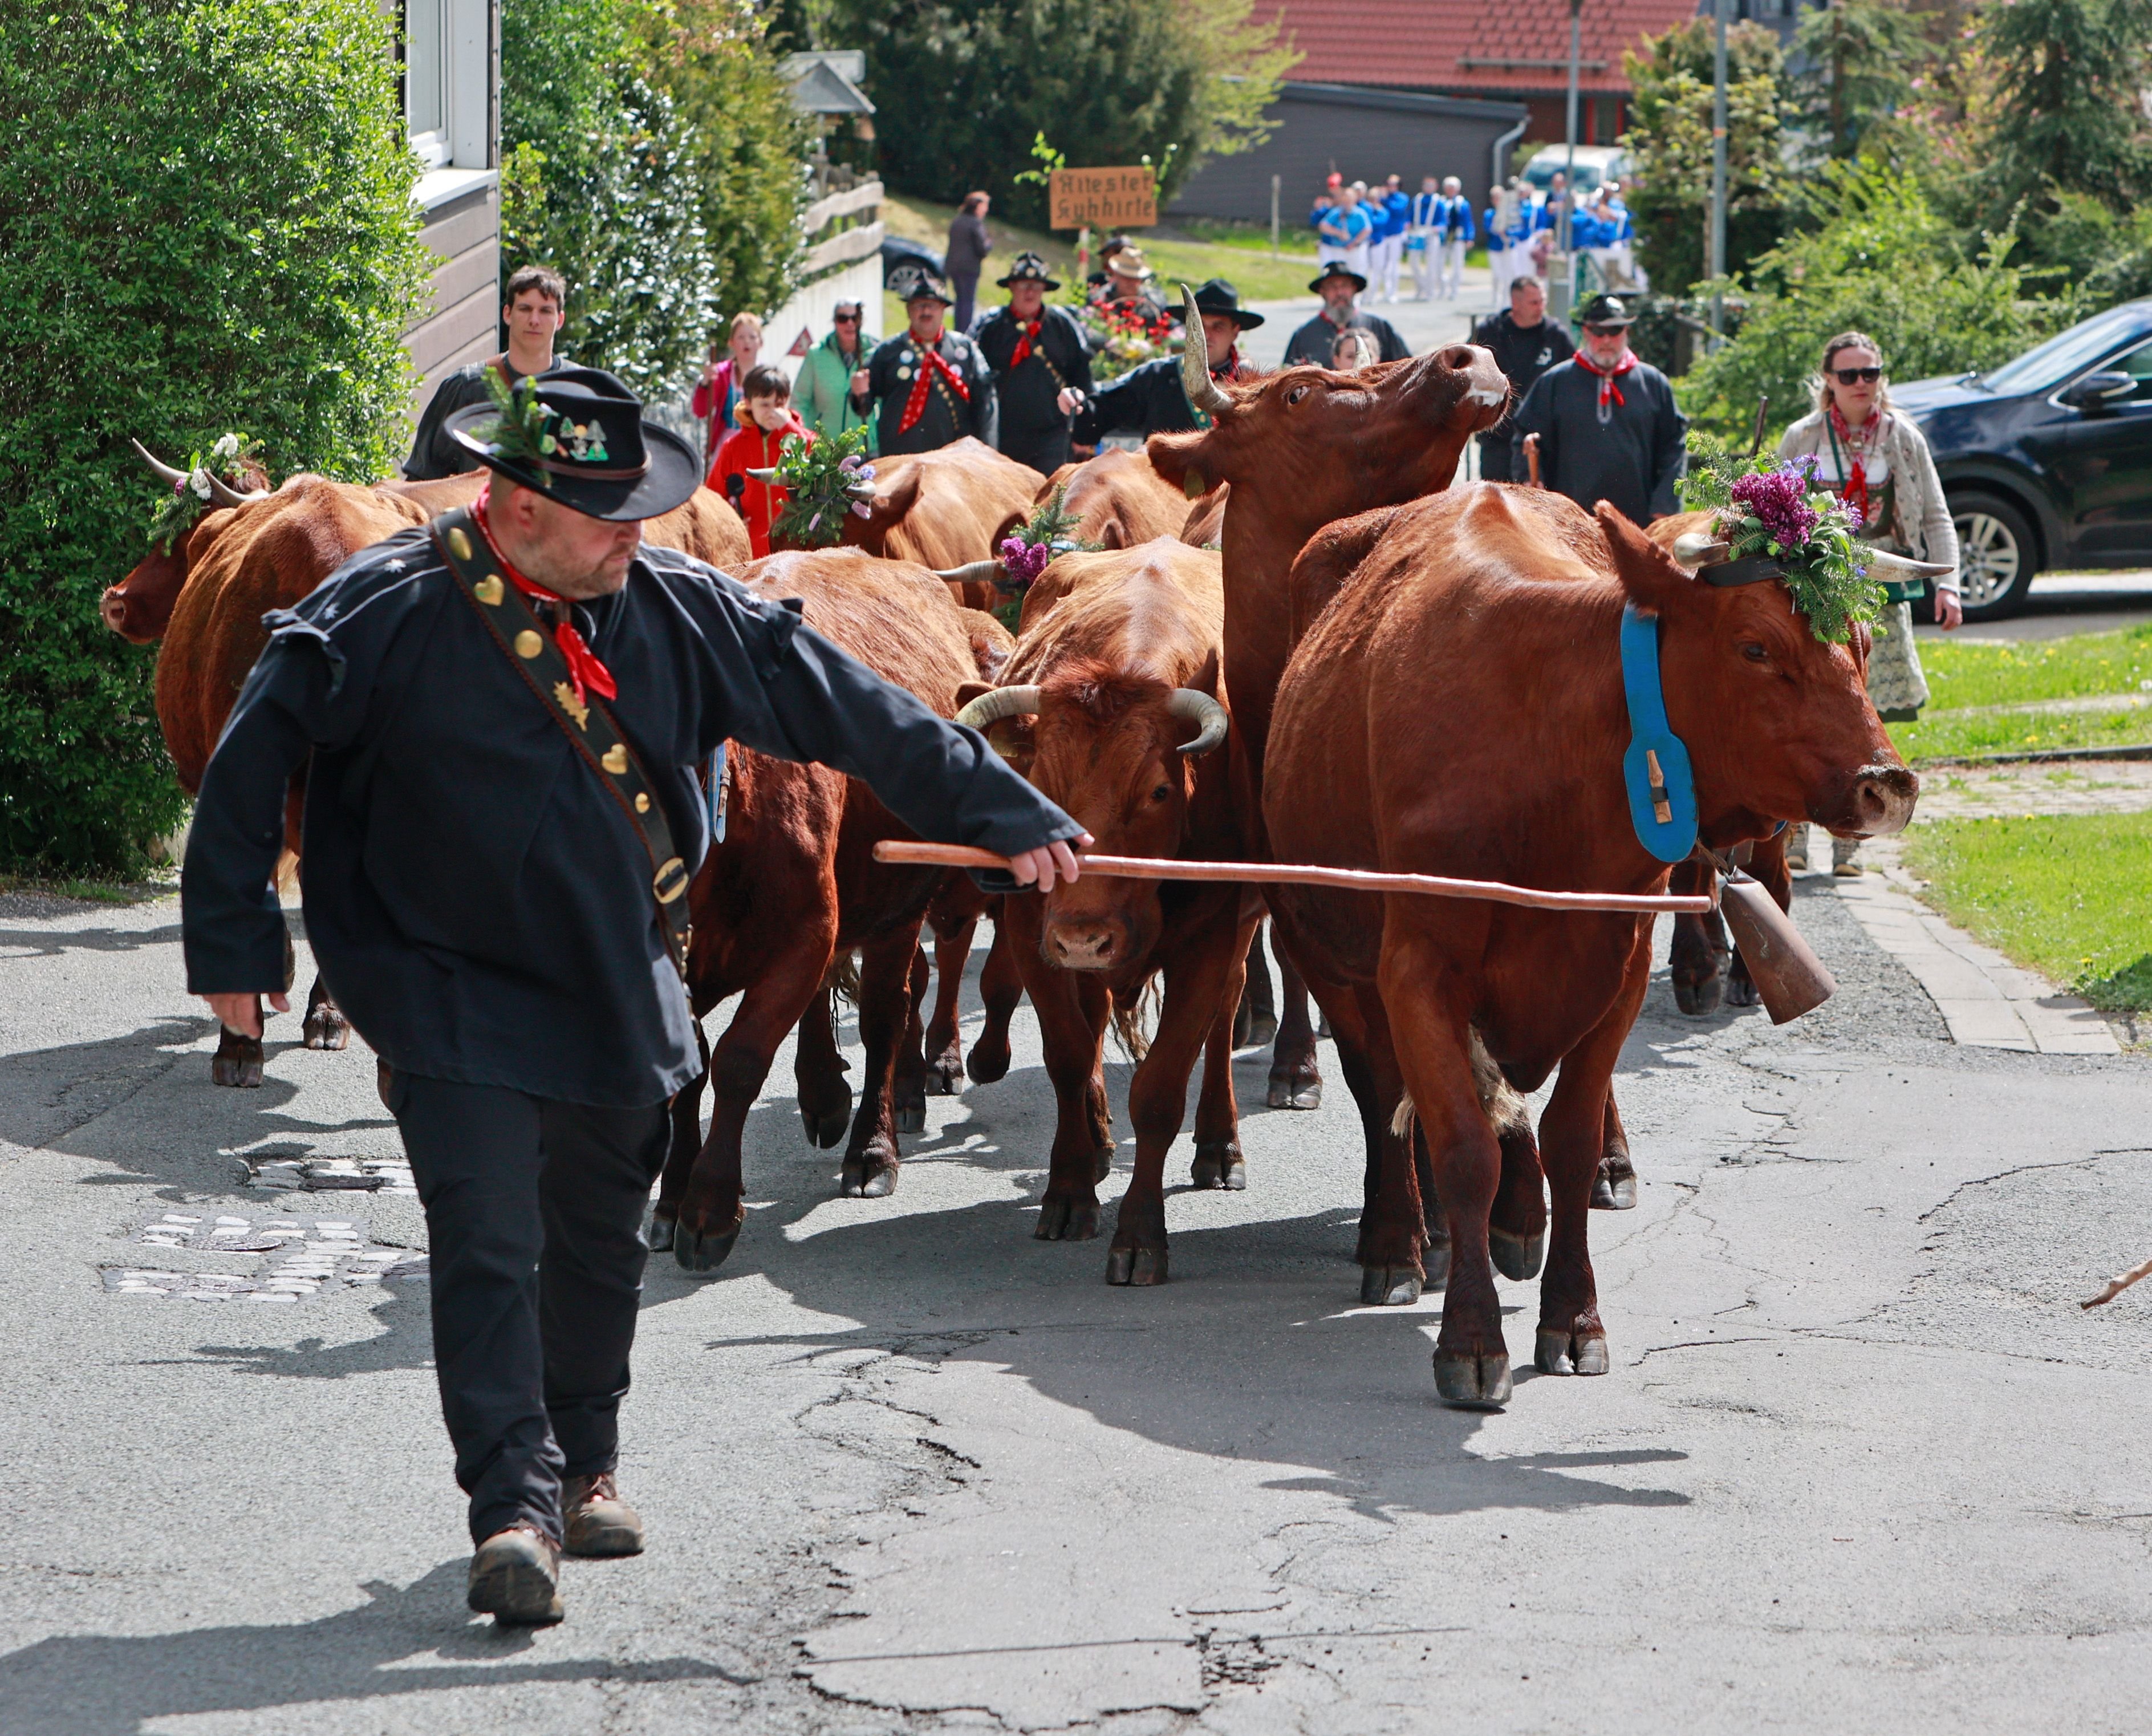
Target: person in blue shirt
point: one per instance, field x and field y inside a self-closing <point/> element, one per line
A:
<point x="1396" y="217"/>
<point x="1458" y="235"/>
<point x="1509" y="218"/>
<point x="1361" y="258"/>
<point x="1324" y="208"/>
<point x="1424" y="223"/>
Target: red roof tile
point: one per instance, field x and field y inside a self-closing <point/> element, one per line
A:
<point x="1462" y="46"/>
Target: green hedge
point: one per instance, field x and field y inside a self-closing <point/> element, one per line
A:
<point x="207" y="208"/>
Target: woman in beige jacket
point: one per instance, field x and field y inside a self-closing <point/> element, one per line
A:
<point x="1876" y="460"/>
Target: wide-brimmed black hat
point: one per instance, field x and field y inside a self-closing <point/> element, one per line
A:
<point x="912" y="283"/>
<point x="1606" y="310"/>
<point x="1336" y="268"/>
<point x="577" y="436"/>
<point x="1220" y="297"/>
<point x="1029" y="268"/>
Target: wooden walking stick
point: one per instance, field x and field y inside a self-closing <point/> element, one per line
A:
<point x="2119" y="1283"/>
<point x="1348" y="880"/>
<point x="1532" y="458"/>
<point x="1763" y="404"/>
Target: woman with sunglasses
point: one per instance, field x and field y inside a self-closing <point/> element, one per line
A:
<point x="1877" y="461"/>
<point x="831" y="372"/>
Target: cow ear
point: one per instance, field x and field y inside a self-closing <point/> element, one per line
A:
<point x="1173" y="455"/>
<point x="901" y="496"/>
<point x="1653" y="579"/>
<point x="968" y="691"/>
<point x="1114" y="536"/>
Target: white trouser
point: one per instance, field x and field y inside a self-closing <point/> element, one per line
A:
<point x="1393" y="251"/>
<point x="1453" y="268"/>
<point x="1356" y="260"/>
<point x="1424" y="263"/>
<point x="1327" y="251"/>
<point x="1508" y="262"/>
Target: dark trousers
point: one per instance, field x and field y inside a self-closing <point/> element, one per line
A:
<point x="965" y="287"/>
<point x="1500" y="460"/>
<point x="1045" y="452"/>
<point x="534" y="1216"/>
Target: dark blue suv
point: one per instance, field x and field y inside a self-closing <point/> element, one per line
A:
<point x="2047" y="461"/>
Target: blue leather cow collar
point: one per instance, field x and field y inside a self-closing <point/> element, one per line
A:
<point x="1661" y="783"/>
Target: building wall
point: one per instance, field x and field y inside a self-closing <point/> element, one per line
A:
<point x="462" y="325"/>
<point x="1362" y="134"/>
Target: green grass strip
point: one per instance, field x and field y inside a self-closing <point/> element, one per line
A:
<point x="2068" y="895"/>
<point x="2074" y="668"/>
<point x="1953" y="735"/>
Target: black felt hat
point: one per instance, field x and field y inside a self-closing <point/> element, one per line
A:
<point x="911" y="282"/>
<point x="1219" y="297"/>
<point x="577" y="435"/>
<point x="1606" y="310"/>
<point x="1029" y="268"/>
<point x="1337" y="269"/>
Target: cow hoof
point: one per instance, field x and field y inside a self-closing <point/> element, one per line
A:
<point x="326" y="1028"/>
<point x="697" y="1253"/>
<point x="1102" y="1164"/>
<point x="1515" y="1256"/>
<point x="1698" y="998"/>
<point x="945" y="1077"/>
<point x="863" y="1183"/>
<point x="1287" y="1092"/>
<point x="1559" y="1352"/>
<point x="1135" y="1266"/>
<point x="1472" y="1382"/>
<point x="911" y="1114"/>
<point x="1741" y="991"/>
<point x="1388" y="1286"/>
<point x="988" y="1066"/>
<point x="1220" y="1165"/>
<point x="1613" y="1193"/>
<point x="1062" y="1219"/>
<point x="659" y="1236"/>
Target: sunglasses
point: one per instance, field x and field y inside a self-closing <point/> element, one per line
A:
<point x="1858" y="376"/>
<point x="845" y="319"/>
<point x="1605" y="331"/>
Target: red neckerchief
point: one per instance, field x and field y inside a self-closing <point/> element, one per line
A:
<point x="583" y="665"/>
<point x="1226" y="369"/>
<point x="915" y="406"/>
<point x="1854" y="492"/>
<point x="1024" y="342"/>
<point x="1607" y="376"/>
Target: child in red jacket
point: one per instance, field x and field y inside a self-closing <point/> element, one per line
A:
<point x="766" y="416"/>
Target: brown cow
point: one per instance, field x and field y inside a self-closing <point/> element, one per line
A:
<point x="794" y="887"/>
<point x="1114" y="710"/>
<point x="1458" y="709"/>
<point x="947" y="507"/>
<point x="1118" y="500"/>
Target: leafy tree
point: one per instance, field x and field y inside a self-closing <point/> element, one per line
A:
<point x="207" y="207"/>
<point x="2065" y="110"/>
<point x="1883" y="261"/>
<point x="964" y="86"/>
<point x="1671" y="86"/>
<point x="1858" y="60"/>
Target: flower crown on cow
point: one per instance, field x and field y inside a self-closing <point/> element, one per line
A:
<point x="1765" y="509"/>
<point x="228" y="460"/>
<point x="823" y="481"/>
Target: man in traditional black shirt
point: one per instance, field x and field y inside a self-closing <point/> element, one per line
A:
<point x="1338" y="286"/>
<point x="533" y="306"/>
<point x="1041" y="367"/>
<point x="1525" y="343"/>
<point x="1149" y="399"/>
<point x="479" y="891"/>
<point x="1605" y="423"/>
<point x="931" y="386"/>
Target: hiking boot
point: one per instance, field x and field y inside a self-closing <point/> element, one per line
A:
<point x="596" y="1521"/>
<point x="515" y="1578"/>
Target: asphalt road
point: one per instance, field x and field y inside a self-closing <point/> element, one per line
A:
<point x="1861" y="1463"/>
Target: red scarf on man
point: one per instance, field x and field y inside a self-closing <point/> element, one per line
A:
<point x="1023" y="343"/>
<point x="1607" y="376"/>
<point x="584" y="668"/>
<point x="929" y="362"/>
<point x="1854" y="492"/>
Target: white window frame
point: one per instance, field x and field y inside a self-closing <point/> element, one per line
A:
<point x="465" y="140"/>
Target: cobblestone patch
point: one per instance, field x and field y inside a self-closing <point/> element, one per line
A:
<point x="1965" y="792"/>
<point x="292" y="1257"/>
<point x="330" y="1174"/>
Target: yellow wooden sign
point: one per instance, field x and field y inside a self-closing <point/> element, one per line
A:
<point x="1105" y="198"/>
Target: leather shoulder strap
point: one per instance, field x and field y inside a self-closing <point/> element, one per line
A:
<point x="529" y="648"/>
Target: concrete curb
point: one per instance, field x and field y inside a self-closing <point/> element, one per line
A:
<point x="1987" y="1002"/>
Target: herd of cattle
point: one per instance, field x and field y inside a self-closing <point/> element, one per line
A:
<point x="1295" y="641"/>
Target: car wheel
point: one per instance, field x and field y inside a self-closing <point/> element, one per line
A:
<point x="1996" y="559"/>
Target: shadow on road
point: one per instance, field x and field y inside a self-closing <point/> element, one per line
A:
<point x="110" y="1685"/>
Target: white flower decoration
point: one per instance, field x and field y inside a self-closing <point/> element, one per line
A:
<point x="228" y="446"/>
<point x="199" y="482"/>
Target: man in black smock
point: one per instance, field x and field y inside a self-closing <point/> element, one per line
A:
<point x="1148" y="398"/>
<point x="1605" y="422"/>
<point x="482" y="899"/>
<point x="1525" y="343"/>
<point x="930" y="386"/>
<point x="533" y="304"/>
<point x="1340" y="289"/>
<point x="1041" y="367"/>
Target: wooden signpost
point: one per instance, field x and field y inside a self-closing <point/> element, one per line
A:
<point x="1105" y="198"/>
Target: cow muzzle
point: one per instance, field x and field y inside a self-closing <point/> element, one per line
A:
<point x="1878" y="804"/>
<point x="1083" y="945"/>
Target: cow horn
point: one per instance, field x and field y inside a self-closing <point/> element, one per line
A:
<point x="1200" y="708"/>
<point x="166" y="473"/>
<point x="1195" y="360"/>
<point x="989" y="709"/>
<point x="1896" y="569"/>
<point x="225" y="495"/>
<point x="1699" y="548"/>
<point x="971" y="572"/>
<point x="761" y="473"/>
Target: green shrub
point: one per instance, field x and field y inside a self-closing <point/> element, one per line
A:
<point x="1884" y="263"/>
<point x="207" y="208"/>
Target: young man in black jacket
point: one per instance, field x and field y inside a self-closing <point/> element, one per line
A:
<point x="500" y="716"/>
<point x="1525" y="343"/>
<point x="533" y="307"/>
